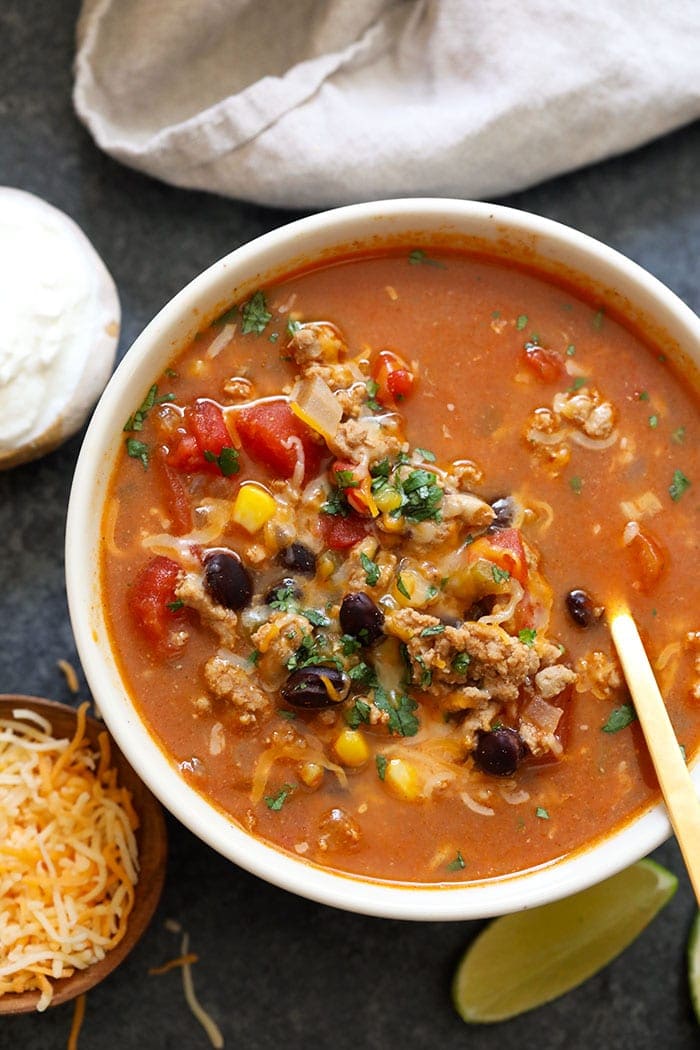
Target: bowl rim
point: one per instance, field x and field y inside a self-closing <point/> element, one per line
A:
<point x="241" y="270"/>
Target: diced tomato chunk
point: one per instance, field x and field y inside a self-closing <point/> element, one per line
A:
<point x="150" y="596"/>
<point x="505" y="548"/>
<point x="267" y="430"/>
<point x="340" y="533"/>
<point x="205" y="438"/>
<point x="400" y="383"/>
<point x="393" y="376"/>
<point x="648" y="560"/>
<point x="548" y="365"/>
<point x="175" y="496"/>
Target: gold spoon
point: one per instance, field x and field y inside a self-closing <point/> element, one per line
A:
<point x="152" y="846"/>
<point x="674" y="779"/>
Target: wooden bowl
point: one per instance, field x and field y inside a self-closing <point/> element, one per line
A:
<point x="152" y="846"/>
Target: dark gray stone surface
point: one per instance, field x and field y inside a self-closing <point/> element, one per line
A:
<point x="274" y="969"/>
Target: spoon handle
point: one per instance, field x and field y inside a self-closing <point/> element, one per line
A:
<point x="676" y="783"/>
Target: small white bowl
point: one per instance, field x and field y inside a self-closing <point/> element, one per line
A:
<point x="613" y="279"/>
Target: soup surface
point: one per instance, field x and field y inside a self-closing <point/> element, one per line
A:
<point x="358" y="550"/>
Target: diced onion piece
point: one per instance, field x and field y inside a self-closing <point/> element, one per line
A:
<point x="316" y="406"/>
<point x="644" y="506"/>
<point x="222" y="340"/>
<point x="253" y="508"/>
<point x="543" y="715"/>
<point x="476" y="807"/>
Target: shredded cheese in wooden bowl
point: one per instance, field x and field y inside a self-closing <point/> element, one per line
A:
<point x="82" y="854"/>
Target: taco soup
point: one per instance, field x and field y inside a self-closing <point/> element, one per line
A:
<point x="357" y="552"/>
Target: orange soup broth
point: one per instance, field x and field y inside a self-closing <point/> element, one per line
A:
<point x="464" y="321"/>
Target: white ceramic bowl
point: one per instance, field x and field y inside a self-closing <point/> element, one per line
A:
<point x="616" y="282"/>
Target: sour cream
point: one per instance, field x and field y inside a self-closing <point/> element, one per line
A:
<point x="59" y="326"/>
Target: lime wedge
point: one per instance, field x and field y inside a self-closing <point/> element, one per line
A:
<point x="694" y="965"/>
<point x="523" y="960"/>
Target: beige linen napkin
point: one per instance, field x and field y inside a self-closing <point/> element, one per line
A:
<point x="305" y="103"/>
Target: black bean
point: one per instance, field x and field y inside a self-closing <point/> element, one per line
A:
<point x="504" y="510"/>
<point x="499" y="751"/>
<point x="581" y="608"/>
<point x="298" y="558"/>
<point x="226" y="579"/>
<point x="315" y="687"/>
<point x="282" y="592"/>
<point x="361" y="618"/>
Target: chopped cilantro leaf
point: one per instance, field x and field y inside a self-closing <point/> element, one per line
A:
<point x="345" y="479"/>
<point x="336" y="504"/>
<point x="542" y="813"/>
<point x="136" y="421"/>
<point x="598" y="319"/>
<point x="363" y="674"/>
<point x="426" y="675"/>
<point x="576" y="484"/>
<point x="401" y="587"/>
<point x="643" y="395"/>
<point x="226" y="317"/>
<point x="138" y="450"/>
<point x="315" y="617"/>
<point x="255" y="314"/>
<point x="350" y="645"/>
<point x="521" y="322"/>
<point x="570" y="350"/>
<point x="227" y="460"/>
<point x="436" y="628"/>
<point x="175" y="606"/>
<point x="426" y="454"/>
<point x="499" y="575"/>
<point x="289" y="715"/>
<point x="293" y="327"/>
<point x="527" y="636"/>
<point x="372" y="388"/>
<point x="423" y="496"/>
<point x="357" y="714"/>
<point x="171" y="373"/>
<point x="458" y="863"/>
<point x="678" y="486"/>
<point x="254" y="656"/>
<point x="382" y="469"/>
<point x="275" y="802"/>
<point x="402" y="721"/>
<point x="273" y="337"/>
<point x="283" y="598"/>
<point x="371" y="568"/>
<point x="381" y="762"/>
<point x="653" y="422"/>
<point x="309" y="652"/>
<point x="619" y="719"/>
<point x="461" y="662"/>
<point x="418" y="257"/>
<point x="578" y="382"/>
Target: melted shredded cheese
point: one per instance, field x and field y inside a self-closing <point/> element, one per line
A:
<point x="77" y="1023"/>
<point x="208" y="1023"/>
<point x="68" y="856"/>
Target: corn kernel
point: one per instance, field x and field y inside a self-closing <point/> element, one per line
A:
<point x="387" y="499"/>
<point x="311" y="774"/>
<point x="254" y="506"/>
<point x="351" y="748"/>
<point x="402" y="780"/>
<point x="410" y="588"/>
<point x="325" y="566"/>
